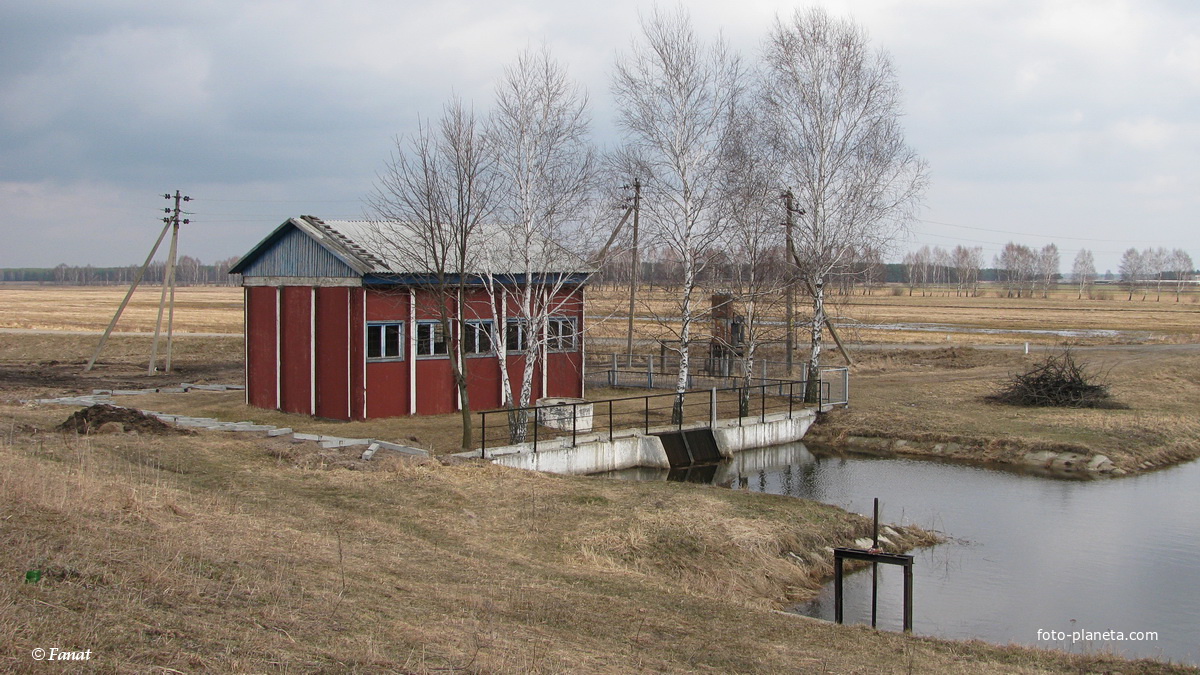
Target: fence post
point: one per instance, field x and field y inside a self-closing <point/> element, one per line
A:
<point x="763" y="394"/>
<point x="483" y="436"/>
<point x="712" y="409"/>
<point x="610" y="420"/>
<point x="535" y="431"/>
<point x="574" y="417"/>
<point x="649" y="371"/>
<point x="646" y="414"/>
<point x="791" y="395"/>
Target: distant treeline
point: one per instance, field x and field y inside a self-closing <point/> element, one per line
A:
<point x="189" y="272"/>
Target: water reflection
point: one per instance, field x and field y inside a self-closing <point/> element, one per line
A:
<point x="1027" y="554"/>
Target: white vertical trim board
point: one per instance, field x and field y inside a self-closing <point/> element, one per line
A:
<point x="349" y="351"/>
<point x="364" y="351"/>
<point x="582" y="343"/>
<point x="246" y="341"/>
<point x="411" y="355"/>
<point x="278" y="348"/>
<point x="312" y="352"/>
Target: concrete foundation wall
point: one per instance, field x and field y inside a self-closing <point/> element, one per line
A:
<point x="776" y="430"/>
<point x="630" y="451"/>
<point x="591" y="457"/>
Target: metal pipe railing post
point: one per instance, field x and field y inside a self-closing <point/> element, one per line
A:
<point x="535" y="430"/>
<point x="646" y="414"/>
<point x="763" y="404"/>
<point x="610" y="420"/>
<point x="574" y="417"/>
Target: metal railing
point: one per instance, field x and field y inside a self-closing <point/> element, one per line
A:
<point x="650" y="371"/>
<point x="570" y="423"/>
<point x="668" y="363"/>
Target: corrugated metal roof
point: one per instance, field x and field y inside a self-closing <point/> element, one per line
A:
<point x="383" y="249"/>
<point x="496" y="250"/>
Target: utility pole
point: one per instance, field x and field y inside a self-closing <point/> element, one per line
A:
<point x="791" y="250"/>
<point x="633" y="268"/>
<point x="168" y="282"/>
<point x="790" y="286"/>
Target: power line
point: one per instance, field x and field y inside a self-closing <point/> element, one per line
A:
<point x="284" y="201"/>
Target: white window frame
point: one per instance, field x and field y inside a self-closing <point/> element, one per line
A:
<point x="472" y="333"/>
<point x="554" y="340"/>
<point x="427" y="342"/>
<point x="380" y="328"/>
<point x="518" y="345"/>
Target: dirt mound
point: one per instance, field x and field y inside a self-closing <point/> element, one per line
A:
<point x="104" y="418"/>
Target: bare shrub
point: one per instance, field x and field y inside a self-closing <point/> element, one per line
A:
<point x="1058" y="381"/>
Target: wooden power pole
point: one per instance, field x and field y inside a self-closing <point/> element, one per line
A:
<point x="168" y="286"/>
<point x="171" y="222"/>
<point x="633" y="267"/>
<point x="790" y="285"/>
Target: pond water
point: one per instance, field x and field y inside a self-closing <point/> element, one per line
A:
<point x="1069" y="558"/>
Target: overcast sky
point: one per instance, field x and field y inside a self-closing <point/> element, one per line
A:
<point x="1067" y="121"/>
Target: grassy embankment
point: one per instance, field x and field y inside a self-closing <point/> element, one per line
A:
<point x="222" y="553"/>
<point x="931" y="404"/>
<point x="232" y="553"/>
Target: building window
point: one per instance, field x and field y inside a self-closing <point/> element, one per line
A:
<point x="385" y="341"/>
<point x="431" y="339"/>
<point x="516" y="335"/>
<point x="562" y="334"/>
<point x="477" y="338"/>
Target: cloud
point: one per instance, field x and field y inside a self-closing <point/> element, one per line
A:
<point x="296" y="103"/>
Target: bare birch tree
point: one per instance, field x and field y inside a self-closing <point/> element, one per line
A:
<point x="1048" y="262"/>
<point x="426" y="211"/>
<point x="751" y="200"/>
<point x="835" y="103"/>
<point x="967" y="262"/>
<point x="1133" y="270"/>
<point x="546" y="166"/>
<point x="1083" y="272"/>
<point x="675" y="98"/>
<point x="1158" y="263"/>
<point x="1182" y="268"/>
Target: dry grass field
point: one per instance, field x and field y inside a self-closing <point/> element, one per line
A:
<point x="936" y="396"/>
<point x="222" y="553"/>
<point x="219" y="552"/>
<point x="198" y="309"/>
<point x="897" y="394"/>
<point x="1006" y="320"/>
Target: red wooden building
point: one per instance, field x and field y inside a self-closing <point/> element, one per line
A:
<point x="333" y="330"/>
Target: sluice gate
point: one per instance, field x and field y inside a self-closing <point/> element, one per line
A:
<point x="690" y="447"/>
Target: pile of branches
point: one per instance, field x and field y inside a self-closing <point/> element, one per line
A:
<point x="1058" y="381"/>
